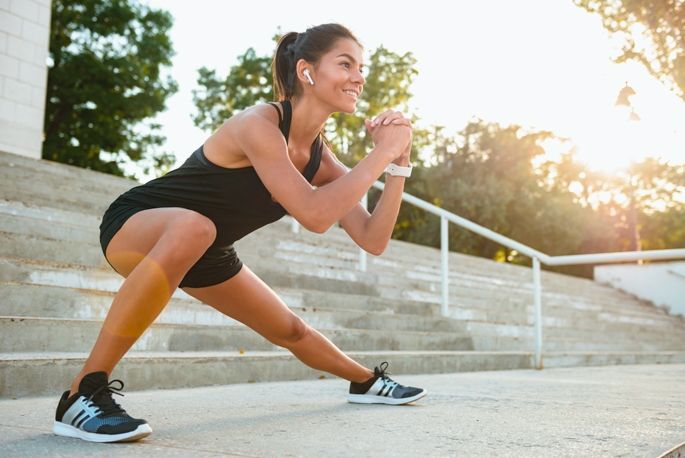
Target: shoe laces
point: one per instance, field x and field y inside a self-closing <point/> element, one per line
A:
<point x="380" y="371"/>
<point x="103" y="400"/>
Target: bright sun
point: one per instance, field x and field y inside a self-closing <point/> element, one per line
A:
<point x="614" y="136"/>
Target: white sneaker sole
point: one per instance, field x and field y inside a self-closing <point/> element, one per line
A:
<point x="373" y="399"/>
<point x="62" y="429"/>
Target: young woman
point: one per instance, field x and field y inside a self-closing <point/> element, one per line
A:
<point x="178" y="230"/>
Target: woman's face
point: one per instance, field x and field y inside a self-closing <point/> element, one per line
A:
<point x="338" y="78"/>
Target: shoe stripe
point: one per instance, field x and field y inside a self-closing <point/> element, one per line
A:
<point x="82" y="418"/>
<point x="389" y="386"/>
<point x="77" y="417"/>
<point x="83" y="421"/>
<point x="380" y="392"/>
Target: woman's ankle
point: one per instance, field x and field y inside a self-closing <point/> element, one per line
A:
<point x="77" y="381"/>
<point x="364" y="377"/>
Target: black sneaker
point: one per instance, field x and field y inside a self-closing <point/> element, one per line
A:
<point x="380" y="389"/>
<point x="93" y="415"/>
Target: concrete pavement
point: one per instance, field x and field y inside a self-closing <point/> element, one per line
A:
<point x="627" y="411"/>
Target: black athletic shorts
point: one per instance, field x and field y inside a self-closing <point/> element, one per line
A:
<point x="217" y="265"/>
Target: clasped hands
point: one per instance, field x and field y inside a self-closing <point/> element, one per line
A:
<point x="393" y="131"/>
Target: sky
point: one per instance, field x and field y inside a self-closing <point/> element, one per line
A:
<point x="540" y="64"/>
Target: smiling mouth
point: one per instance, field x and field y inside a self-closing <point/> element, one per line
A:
<point x="352" y="94"/>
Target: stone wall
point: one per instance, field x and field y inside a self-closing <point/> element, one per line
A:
<point x="24" y="41"/>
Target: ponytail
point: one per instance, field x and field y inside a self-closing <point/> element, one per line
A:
<point x="283" y="67"/>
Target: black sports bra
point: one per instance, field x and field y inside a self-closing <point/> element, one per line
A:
<point x="317" y="147"/>
<point x="236" y="200"/>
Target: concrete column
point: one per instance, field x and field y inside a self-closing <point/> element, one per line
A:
<point x="24" y="42"/>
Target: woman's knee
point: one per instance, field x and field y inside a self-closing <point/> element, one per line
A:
<point x="173" y="237"/>
<point x="191" y="231"/>
<point x="293" y="332"/>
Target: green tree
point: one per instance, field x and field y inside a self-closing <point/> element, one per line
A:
<point x="248" y="83"/>
<point x="653" y="186"/>
<point x="652" y="32"/>
<point x="498" y="177"/>
<point x="488" y="174"/>
<point x="664" y="229"/>
<point x="104" y="83"/>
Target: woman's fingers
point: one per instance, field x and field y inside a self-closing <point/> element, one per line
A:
<point x="387" y="117"/>
<point x="402" y="121"/>
<point x="381" y="117"/>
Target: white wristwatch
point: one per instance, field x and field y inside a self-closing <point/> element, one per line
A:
<point x="399" y="171"/>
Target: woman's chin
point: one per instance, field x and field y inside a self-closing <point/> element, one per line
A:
<point x="349" y="110"/>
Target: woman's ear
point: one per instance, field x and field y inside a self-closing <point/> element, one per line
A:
<point x="303" y="73"/>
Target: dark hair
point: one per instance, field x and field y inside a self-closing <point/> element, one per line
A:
<point x="310" y="45"/>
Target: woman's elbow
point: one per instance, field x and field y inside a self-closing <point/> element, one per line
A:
<point x="318" y="229"/>
<point x="316" y="225"/>
<point x="376" y="252"/>
<point x="377" y="248"/>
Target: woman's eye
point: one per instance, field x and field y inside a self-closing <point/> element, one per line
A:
<point x="346" y="64"/>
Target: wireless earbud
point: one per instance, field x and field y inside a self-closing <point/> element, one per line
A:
<point x="306" y="73"/>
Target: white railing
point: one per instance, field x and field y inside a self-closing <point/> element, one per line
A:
<point x="537" y="257"/>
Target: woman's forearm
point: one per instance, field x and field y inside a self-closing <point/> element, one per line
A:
<point x="379" y="226"/>
<point x="333" y="201"/>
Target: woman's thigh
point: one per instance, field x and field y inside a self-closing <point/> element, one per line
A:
<point x="161" y="234"/>
<point x="246" y="298"/>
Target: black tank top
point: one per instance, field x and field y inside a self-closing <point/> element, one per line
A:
<point x="236" y="200"/>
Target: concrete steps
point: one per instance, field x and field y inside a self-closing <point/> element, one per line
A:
<point x="70" y="335"/>
<point x="84" y="253"/>
<point x="91" y="252"/>
<point x="53" y="372"/>
<point x="16" y="271"/>
<point x="29" y="374"/>
<point x="56" y="288"/>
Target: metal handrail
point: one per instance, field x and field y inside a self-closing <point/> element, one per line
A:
<point x="537" y="256"/>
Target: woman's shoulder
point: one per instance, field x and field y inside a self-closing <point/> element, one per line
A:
<point x="256" y="117"/>
<point x="266" y="111"/>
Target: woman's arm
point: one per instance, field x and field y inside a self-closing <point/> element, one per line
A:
<point x="372" y="232"/>
<point x="316" y="209"/>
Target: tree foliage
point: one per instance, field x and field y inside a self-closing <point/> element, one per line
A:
<point x="248" y="83"/>
<point x="104" y="81"/>
<point x="499" y="178"/>
<point x="487" y="175"/>
<point x="652" y="32"/>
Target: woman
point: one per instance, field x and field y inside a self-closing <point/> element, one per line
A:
<point x="178" y="230"/>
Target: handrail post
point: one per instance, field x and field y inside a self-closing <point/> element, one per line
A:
<point x="444" y="252"/>
<point x="362" y="253"/>
<point x="537" y="306"/>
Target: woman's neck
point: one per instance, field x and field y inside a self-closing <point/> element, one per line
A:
<point x="308" y="120"/>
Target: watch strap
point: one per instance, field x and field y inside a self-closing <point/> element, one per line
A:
<point x="399" y="171"/>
